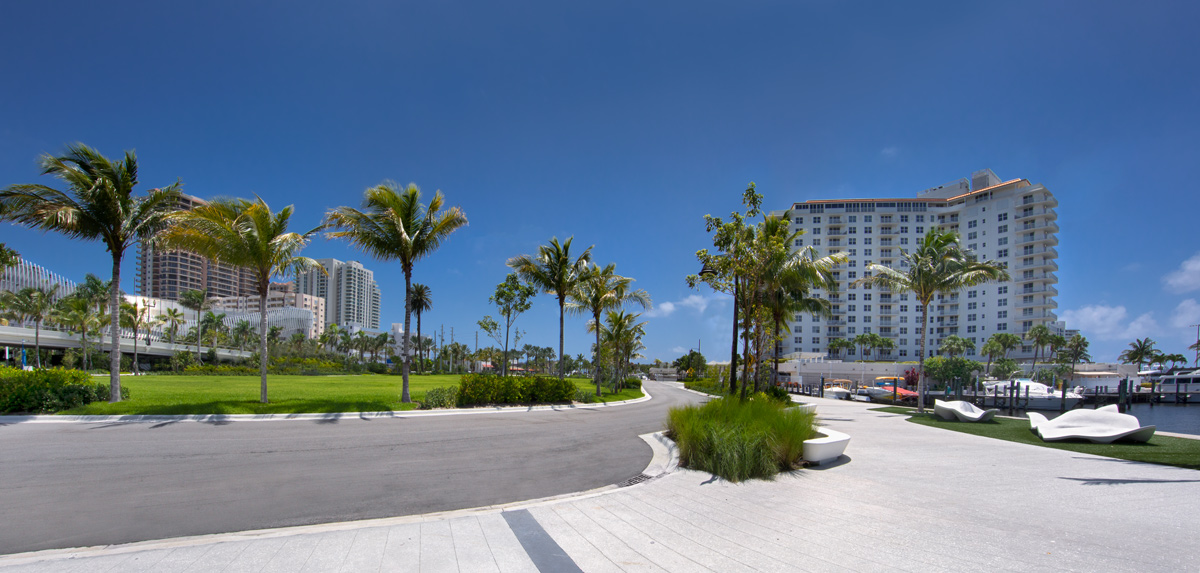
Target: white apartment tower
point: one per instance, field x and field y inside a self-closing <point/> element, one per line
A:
<point x="352" y="298"/>
<point x="1011" y="222"/>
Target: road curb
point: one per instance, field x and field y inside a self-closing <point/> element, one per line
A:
<point x="665" y="459"/>
<point x="332" y="416"/>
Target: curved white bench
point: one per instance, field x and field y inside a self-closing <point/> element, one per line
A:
<point x="829" y="446"/>
<point x="1103" y="426"/>
<point x="963" y="411"/>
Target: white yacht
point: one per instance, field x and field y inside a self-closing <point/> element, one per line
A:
<point x="1181" y="387"/>
<point x="1030" y="395"/>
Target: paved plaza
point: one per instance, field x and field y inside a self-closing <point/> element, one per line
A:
<point x="905" y="498"/>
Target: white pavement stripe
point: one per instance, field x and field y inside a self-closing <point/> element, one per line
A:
<point x="330" y="552"/>
<point x="294" y="553"/>
<point x="403" y="548"/>
<point x="470" y="546"/>
<point x="689" y="541"/>
<point x="582" y="551"/>
<point x="437" y="548"/>
<point x="505" y="547"/>
<point x="366" y="551"/>
<point x="255" y="556"/>
<point x="577" y="515"/>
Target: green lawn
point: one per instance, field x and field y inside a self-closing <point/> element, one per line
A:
<point x="1165" y="450"/>
<point x="178" y="395"/>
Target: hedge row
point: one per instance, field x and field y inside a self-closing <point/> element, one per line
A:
<point x="48" y="391"/>
<point x="481" y="389"/>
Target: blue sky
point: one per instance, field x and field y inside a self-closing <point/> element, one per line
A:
<point x="624" y="123"/>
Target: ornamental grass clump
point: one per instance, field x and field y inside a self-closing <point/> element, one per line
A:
<point x="739" y="440"/>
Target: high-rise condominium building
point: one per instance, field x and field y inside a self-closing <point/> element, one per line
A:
<point x="165" y="274"/>
<point x="1011" y="222"/>
<point x="351" y="295"/>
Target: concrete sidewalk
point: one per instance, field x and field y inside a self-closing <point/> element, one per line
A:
<point x="908" y="498"/>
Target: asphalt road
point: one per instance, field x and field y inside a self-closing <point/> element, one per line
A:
<point x="73" y="485"/>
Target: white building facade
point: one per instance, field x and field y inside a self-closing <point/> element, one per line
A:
<point x="352" y="297"/>
<point x="1012" y="222"/>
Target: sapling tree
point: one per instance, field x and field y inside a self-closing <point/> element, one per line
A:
<point x="511" y="299"/>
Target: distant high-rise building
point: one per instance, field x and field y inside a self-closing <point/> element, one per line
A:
<point x="1012" y="222"/>
<point x="352" y="298"/>
<point x="165" y="274"/>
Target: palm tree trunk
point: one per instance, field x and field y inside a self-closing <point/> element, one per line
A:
<point x="405" y="365"/>
<point x="114" y="355"/>
<point x="596" y="374"/>
<point x="135" y="337"/>
<point x="733" y="353"/>
<point x="262" y="345"/>
<point x="420" y="347"/>
<point x="199" y="332"/>
<point x="921" y="360"/>
<point x="37" y="342"/>
<point x="562" y="301"/>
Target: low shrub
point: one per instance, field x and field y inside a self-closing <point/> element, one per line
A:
<point x="585" y="396"/>
<point x="739" y="440"/>
<point x="633" y="382"/>
<point x="377" y="368"/>
<point x="779" y="395"/>
<point x="481" y="389"/>
<point x="47" y="391"/>
<point x="714" y="387"/>
<point x="444" y="397"/>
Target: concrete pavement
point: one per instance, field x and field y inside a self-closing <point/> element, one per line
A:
<point x="908" y="498"/>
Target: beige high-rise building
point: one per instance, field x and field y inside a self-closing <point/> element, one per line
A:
<point x="1012" y="222"/>
<point x="165" y="274"/>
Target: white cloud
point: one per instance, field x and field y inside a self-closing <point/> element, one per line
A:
<point x="679" y="350"/>
<point x="699" y="303"/>
<point x="1186" y="315"/>
<point x="1104" y="322"/>
<point x="1186" y="278"/>
<point x="889" y="151"/>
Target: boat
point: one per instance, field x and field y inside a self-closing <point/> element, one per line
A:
<point x="1030" y="395"/>
<point x="838" y="389"/>
<point x="1180" y="387"/>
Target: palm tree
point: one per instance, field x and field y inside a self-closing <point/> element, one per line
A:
<point x="955" y="345"/>
<point x="555" y="272"/>
<point x="241" y="333"/>
<point x="77" y="313"/>
<point x="1195" y="348"/>
<point x="1074" y="352"/>
<point x="1007" y="341"/>
<point x="1039" y="335"/>
<point x="863" y="342"/>
<point x="196" y="300"/>
<point x="247" y="234"/>
<point x="992" y="349"/>
<point x="422" y="301"/>
<point x="789" y="278"/>
<point x="1140" y="352"/>
<point x="135" y="318"/>
<point x="98" y="205"/>
<point x="34" y="304"/>
<point x="839" y="345"/>
<point x="394" y="225"/>
<point x="173" y="318"/>
<point x="8" y="258"/>
<point x="622" y="338"/>
<point x="938" y="265"/>
<point x="884" y="344"/>
<point x="600" y="290"/>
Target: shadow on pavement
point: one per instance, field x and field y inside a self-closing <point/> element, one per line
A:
<point x="1111" y="481"/>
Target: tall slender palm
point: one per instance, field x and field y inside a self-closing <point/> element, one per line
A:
<point x="1074" y="352"/>
<point x="839" y="345"/>
<point x="241" y="333"/>
<point x="196" y="300"/>
<point x="99" y="204"/>
<point x="938" y="265"/>
<point x="789" y="277"/>
<point x="1039" y="335"/>
<point x="247" y="234"/>
<point x="136" y="318"/>
<point x="991" y="349"/>
<point x="422" y="301"/>
<point x="394" y="225"/>
<point x="600" y="290"/>
<point x="622" y="337"/>
<point x="172" y="318"/>
<point x="78" y="314"/>
<point x="1007" y="341"/>
<point x="1140" y="352"/>
<point x="556" y="272"/>
<point x="1195" y="348"/>
<point x="955" y="345"/>
<point x="32" y="304"/>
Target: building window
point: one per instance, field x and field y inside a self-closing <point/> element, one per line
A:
<point x="971" y="305"/>
<point x="816" y="231"/>
<point x="851" y="241"/>
<point x="816" y="340"/>
<point x="920" y="230"/>
<point x="1002" y="217"/>
<point x="1002" y="314"/>
<point x="903" y="240"/>
<point x="1001" y="253"/>
<point x="971" y="224"/>
<point x="816" y="242"/>
<point x="972" y="294"/>
<point x="816" y="220"/>
<point x="867" y="241"/>
<point x="903" y="218"/>
<point x="1002" y="290"/>
<point x="970" y="328"/>
<point x="903" y="229"/>
<point x="1002" y="326"/>
<point x="1002" y="229"/>
<point x="851" y="219"/>
<point x="850" y="308"/>
<point x="972" y="235"/>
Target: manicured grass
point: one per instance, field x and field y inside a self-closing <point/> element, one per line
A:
<point x="739" y="440"/>
<point x="180" y="395"/>
<point x="1165" y="450"/>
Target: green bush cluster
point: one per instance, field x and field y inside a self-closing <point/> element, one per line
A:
<point x="585" y="396"/>
<point x="46" y="391"/>
<point x="480" y="389"/>
<point x="286" y="366"/>
<point x="739" y="440"/>
<point x="779" y="395"/>
<point x="714" y="387"/>
<point x="443" y="397"/>
<point x="633" y="382"/>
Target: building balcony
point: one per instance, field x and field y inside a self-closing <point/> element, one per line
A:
<point x="1039" y="199"/>
<point x="1038" y="315"/>
<point x="1046" y="303"/>
<point x="952" y="311"/>
<point x="1048" y="226"/>
<point x="889" y="335"/>
<point x="1035" y="213"/>
<point x="835" y="322"/>
<point x="888" y="323"/>
<point x="1044" y="289"/>
<point x="888" y="232"/>
<point x="885" y="242"/>
<point x="888" y="312"/>
<point x="1039" y="264"/>
<point x="836" y="233"/>
<point x="831" y="221"/>
<point x="1048" y="240"/>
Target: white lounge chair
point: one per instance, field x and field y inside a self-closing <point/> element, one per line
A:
<point x="1102" y="426"/>
<point x="963" y="411"/>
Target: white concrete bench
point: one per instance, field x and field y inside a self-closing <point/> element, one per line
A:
<point x="828" y="446"/>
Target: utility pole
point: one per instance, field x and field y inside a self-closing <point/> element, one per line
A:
<point x="1197" y="359"/>
<point x="442" y="348"/>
